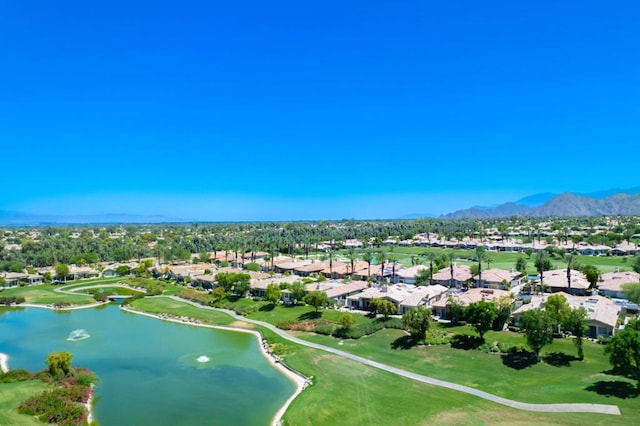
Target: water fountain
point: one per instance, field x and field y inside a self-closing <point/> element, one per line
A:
<point x="202" y="358"/>
<point x="78" y="334"/>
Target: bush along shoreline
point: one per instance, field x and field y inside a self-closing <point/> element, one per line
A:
<point x="67" y="401"/>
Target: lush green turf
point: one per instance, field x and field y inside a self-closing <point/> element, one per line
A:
<point x="500" y="260"/>
<point x="559" y="379"/>
<point x="283" y="313"/>
<point x="159" y="305"/>
<point x="11" y="395"/>
<point x="345" y="392"/>
<point x="44" y="295"/>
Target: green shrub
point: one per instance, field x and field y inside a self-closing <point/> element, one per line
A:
<point x="18" y="375"/>
<point x="285" y="325"/>
<point x="245" y="310"/>
<point x="324" y="328"/>
<point x="436" y="337"/>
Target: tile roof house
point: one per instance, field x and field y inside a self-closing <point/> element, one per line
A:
<point x="441" y="307"/>
<point x="461" y="274"/>
<point x="602" y="313"/>
<point x="498" y="278"/>
<point x="557" y="281"/>
<point x="409" y="275"/>
<point x="611" y="283"/>
<point x="404" y="296"/>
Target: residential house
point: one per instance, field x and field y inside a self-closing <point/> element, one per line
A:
<point x="556" y="280"/>
<point x="441" y="307"/>
<point x="610" y="284"/>
<point x="409" y="275"/>
<point x="461" y="275"/>
<point x="404" y="296"/>
<point x="602" y="313"/>
<point x="498" y="278"/>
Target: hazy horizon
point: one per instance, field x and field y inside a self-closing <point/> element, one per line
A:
<point x="292" y="111"/>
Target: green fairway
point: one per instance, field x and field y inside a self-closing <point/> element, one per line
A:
<point x="44" y="295"/>
<point x="500" y="260"/>
<point x="11" y="395"/>
<point x="158" y="305"/>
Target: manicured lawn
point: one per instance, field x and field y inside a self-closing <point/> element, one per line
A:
<point x="283" y="313"/>
<point x="44" y="295"/>
<point x="559" y="379"/>
<point x="11" y="395"/>
<point x="501" y="260"/>
<point x="158" y="305"/>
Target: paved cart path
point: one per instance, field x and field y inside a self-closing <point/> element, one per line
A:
<point x="549" y="408"/>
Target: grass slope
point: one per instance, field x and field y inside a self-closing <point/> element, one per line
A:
<point x="11" y="395"/>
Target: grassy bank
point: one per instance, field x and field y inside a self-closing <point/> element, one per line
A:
<point x="11" y="395"/>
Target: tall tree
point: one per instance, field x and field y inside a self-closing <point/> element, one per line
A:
<point x="316" y="299"/>
<point x="576" y="323"/>
<point x="451" y="256"/>
<point x="558" y="309"/>
<point x="381" y="259"/>
<point x="592" y="273"/>
<point x="542" y="263"/>
<point x="418" y="321"/>
<point x="632" y="292"/>
<point x="572" y="263"/>
<point x="623" y="349"/>
<point x="481" y="255"/>
<point x="538" y="329"/>
<point x="481" y="315"/>
<point x="273" y="293"/>
<point x="367" y="256"/>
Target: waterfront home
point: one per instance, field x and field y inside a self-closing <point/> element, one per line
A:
<point x="602" y="313"/>
<point x="610" y="284"/>
<point x="13" y="279"/>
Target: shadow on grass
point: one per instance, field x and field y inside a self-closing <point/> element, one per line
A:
<point x="267" y="308"/>
<point x="519" y="360"/>
<point x="309" y="316"/>
<point x="404" y="343"/>
<point x="463" y="341"/>
<point x="559" y="359"/>
<point x="622" y="390"/>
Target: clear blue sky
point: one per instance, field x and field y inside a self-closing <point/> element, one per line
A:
<point x="250" y="110"/>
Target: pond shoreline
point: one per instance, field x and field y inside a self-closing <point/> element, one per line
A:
<point x="300" y="381"/>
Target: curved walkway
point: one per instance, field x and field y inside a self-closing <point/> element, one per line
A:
<point x="76" y="288"/>
<point x="550" y="408"/>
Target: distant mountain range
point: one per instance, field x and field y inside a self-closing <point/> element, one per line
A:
<point x="608" y="202"/>
<point x="18" y="218"/>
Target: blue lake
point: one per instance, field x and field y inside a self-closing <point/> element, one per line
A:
<point x="149" y="370"/>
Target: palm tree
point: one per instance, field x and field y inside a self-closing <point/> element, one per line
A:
<point x="351" y="254"/>
<point x="451" y="257"/>
<point x="367" y="256"/>
<point x="540" y="262"/>
<point x="381" y="259"/>
<point x="431" y="255"/>
<point x="572" y="263"/>
<point x="481" y="255"/>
